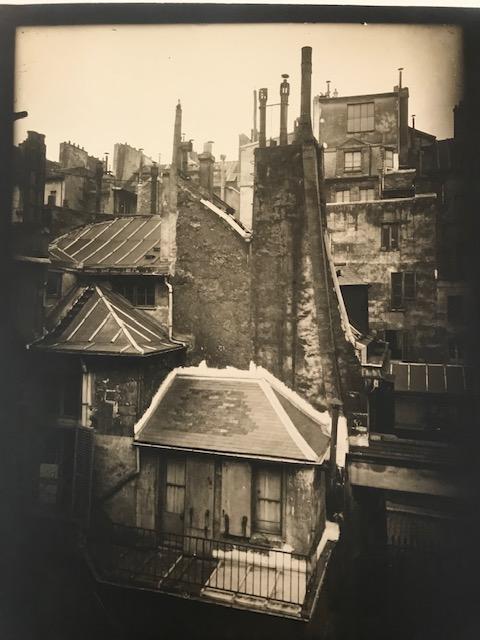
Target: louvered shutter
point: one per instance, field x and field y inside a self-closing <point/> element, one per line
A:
<point x="82" y="475"/>
<point x="409" y="285"/>
<point x="397" y="290"/>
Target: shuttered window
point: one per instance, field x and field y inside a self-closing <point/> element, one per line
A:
<point x="403" y="288"/>
<point x="268" y="501"/>
<point x="175" y="487"/>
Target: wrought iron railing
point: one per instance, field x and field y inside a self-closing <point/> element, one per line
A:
<point x="196" y="566"/>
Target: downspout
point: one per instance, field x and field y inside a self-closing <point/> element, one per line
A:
<point x="170" y="313"/>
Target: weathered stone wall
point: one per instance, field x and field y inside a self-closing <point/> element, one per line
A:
<point x="304" y="508"/>
<point x="211" y="286"/>
<point x="355" y="231"/>
<point x="298" y="332"/>
<point x="334" y="113"/>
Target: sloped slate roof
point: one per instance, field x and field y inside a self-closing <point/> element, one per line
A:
<point x="127" y="242"/>
<point x="93" y="319"/>
<point x="232" y="412"/>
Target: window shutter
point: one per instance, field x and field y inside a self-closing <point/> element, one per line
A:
<point x="385" y="237"/>
<point x="409" y="285"/>
<point x="394" y="236"/>
<point x="82" y="474"/>
<point x="397" y="297"/>
<point x="236" y="498"/>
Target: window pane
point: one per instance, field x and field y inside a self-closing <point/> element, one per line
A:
<point x="385" y="236"/>
<point x="176" y="472"/>
<point x="394" y="236"/>
<point x="268" y="487"/>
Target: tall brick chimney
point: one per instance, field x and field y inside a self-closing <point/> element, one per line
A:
<point x="205" y="174"/>
<point x="304" y="131"/>
<point x="262" y="136"/>
<point x="98" y="185"/>
<point x="176" y="159"/>
<point x="284" y="93"/>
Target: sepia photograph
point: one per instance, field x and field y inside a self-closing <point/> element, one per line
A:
<point x="241" y="394"/>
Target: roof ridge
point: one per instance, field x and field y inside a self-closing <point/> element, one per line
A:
<point x="118" y="320"/>
<point x="285" y="419"/>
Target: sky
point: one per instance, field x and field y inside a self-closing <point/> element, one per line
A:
<point x="97" y="85"/>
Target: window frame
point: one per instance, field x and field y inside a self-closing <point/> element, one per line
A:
<point x="343" y="191"/>
<point x="353" y="168"/>
<point x="368" y="190"/>
<point x="354" y="122"/>
<point x="389" y="236"/>
<point x="132" y="290"/>
<point x="387" y="164"/>
<point x="179" y="462"/>
<point x="277" y="526"/>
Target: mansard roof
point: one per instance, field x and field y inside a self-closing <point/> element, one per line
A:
<point x="234" y="412"/>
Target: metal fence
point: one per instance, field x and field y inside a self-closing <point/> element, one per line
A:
<point x="220" y="569"/>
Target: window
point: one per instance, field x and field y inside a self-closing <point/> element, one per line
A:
<point x="455" y="350"/>
<point x="140" y="294"/>
<point x="360" y="117"/>
<point x="389" y="237"/>
<point x="455" y="309"/>
<point x="54" y="285"/>
<point x="353" y="160"/>
<point x="403" y="288"/>
<point x="268" y="501"/>
<point x="175" y="494"/>
<point x="342" y="196"/>
<point x="388" y="162"/>
<point x="398" y="343"/>
<point x="367" y="194"/>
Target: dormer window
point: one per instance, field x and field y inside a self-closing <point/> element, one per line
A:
<point x="353" y="161"/>
<point x="360" y="117"/>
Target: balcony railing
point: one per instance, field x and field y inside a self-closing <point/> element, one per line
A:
<point x="242" y="575"/>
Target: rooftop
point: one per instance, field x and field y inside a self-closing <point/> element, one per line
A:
<point x="234" y="412"/>
<point x="93" y="319"/>
<point x="124" y="243"/>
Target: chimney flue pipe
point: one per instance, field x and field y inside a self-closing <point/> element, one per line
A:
<point x="284" y="93"/>
<point x="262" y="137"/>
<point x="153" y="188"/>
<point x="305" y="121"/>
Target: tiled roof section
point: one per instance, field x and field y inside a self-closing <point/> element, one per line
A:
<point x="93" y="319"/>
<point x="236" y="415"/>
<point x="124" y="243"/>
<point x="431" y="378"/>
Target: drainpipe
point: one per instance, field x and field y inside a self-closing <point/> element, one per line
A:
<point x="335" y="407"/>
<point x="170" y="314"/>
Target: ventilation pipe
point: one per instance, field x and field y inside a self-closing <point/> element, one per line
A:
<point x="284" y="93"/>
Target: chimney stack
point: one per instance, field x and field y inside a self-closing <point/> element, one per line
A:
<point x="328" y="88"/>
<point x="177" y="138"/>
<point x="400" y="69"/>
<point x="153" y="188"/>
<point x="98" y="185"/>
<point x="284" y="93"/>
<point x="413" y="121"/>
<point x="262" y="137"/>
<point x="205" y="172"/>
<point x="304" y="131"/>
<point x="254" y="130"/>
